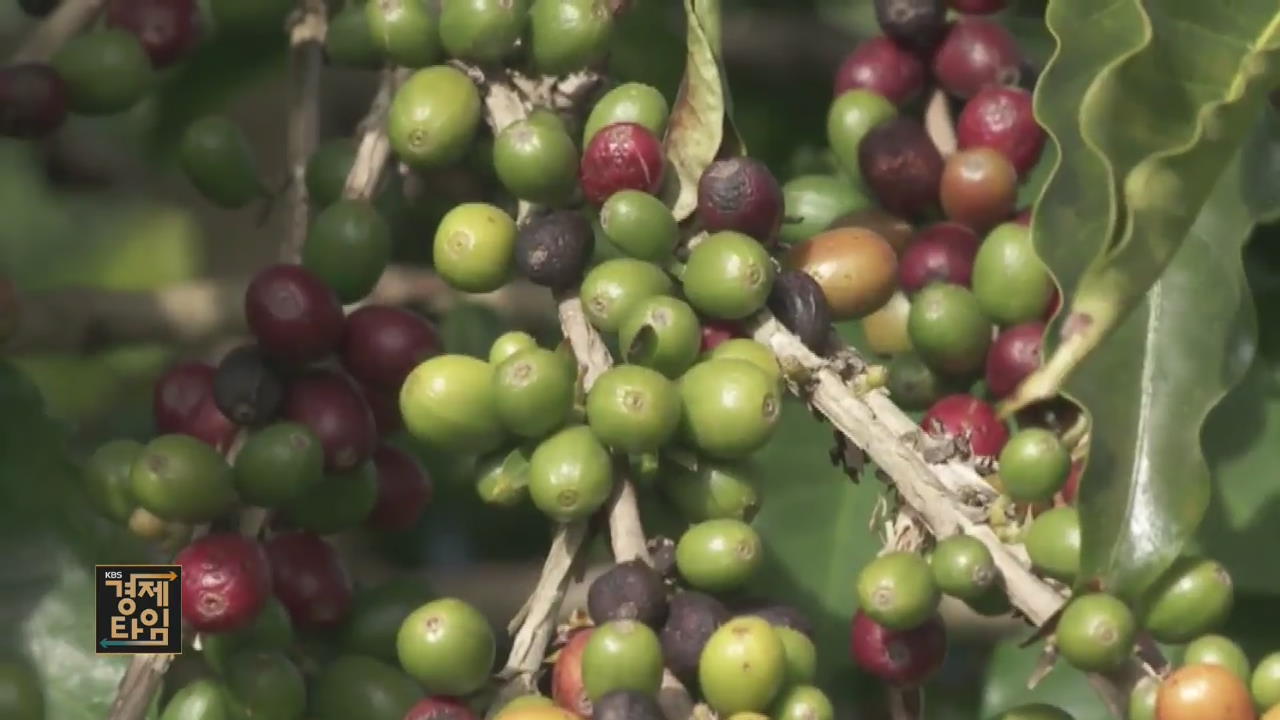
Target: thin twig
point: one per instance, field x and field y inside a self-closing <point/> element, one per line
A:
<point x="306" y="38"/>
<point x="53" y="32"/>
<point x="374" y="149"/>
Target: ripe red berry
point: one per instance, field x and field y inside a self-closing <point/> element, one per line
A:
<point x="976" y="53"/>
<point x="979" y="188"/>
<point x="295" y="316"/>
<point x="740" y="193"/>
<point x="622" y="156"/>
<point x="381" y="345"/>
<point x="915" y="23"/>
<point x="882" y="66"/>
<point x="226" y="581"/>
<point x="1002" y="118"/>
<point x="942" y="252"/>
<point x="715" y="332"/>
<point x="1014" y="354"/>
<point x="404" y="489"/>
<point x="439" y="708"/>
<point x="33" y="100"/>
<point x="967" y="416"/>
<point x="385" y="406"/>
<point x="978" y="7"/>
<point x="310" y="580"/>
<point x="183" y="402"/>
<point x="166" y="29"/>
<point x="332" y="406"/>
<point x="902" y="166"/>
<point x="1023" y="217"/>
<point x="898" y="657"/>
<point x="566" y="675"/>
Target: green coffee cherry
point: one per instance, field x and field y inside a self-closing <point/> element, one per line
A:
<point x="179" y="478"/>
<point x="377" y="613"/>
<point x="1265" y="682"/>
<point x="348" y="247"/>
<point x="482" y="31"/>
<point x="268" y="683"/>
<point x="751" y="351"/>
<point x="570" y="474"/>
<point x="800" y="655"/>
<point x="350" y="42"/>
<point x="356" y="686"/>
<point x="897" y="590"/>
<point x="852" y="115"/>
<point x="474" y="248"/>
<point x="731" y="407"/>
<point x="711" y="492"/>
<point x="803" y="702"/>
<point x="1034" y="465"/>
<point x="1011" y="283"/>
<point x="633" y="409"/>
<point x="106" y="71"/>
<point x="614" y="288"/>
<point x="662" y="333"/>
<point x="728" y="275"/>
<point x="639" y="225"/>
<point x="742" y="667"/>
<point x="1095" y="633"/>
<point x="813" y="202"/>
<point x="1194" y="597"/>
<point x="217" y="159"/>
<point x="340" y="501"/>
<point x="963" y="567"/>
<point x="948" y="329"/>
<point x="569" y="35"/>
<point x="718" y="555"/>
<point x="327" y="170"/>
<point x="448" y="402"/>
<point x="1217" y="650"/>
<point x="404" y="31"/>
<point x="1053" y="542"/>
<point x="107" y="478"/>
<point x="509" y="344"/>
<point x="534" y="392"/>
<point x="622" y="655"/>
<point x="448" y="646"/>
<point x="278" y="464"/>
<point x="502" y="478"/>
<point x="536" y="161"/>
<point x="434" y="117"/>
<point x="630" y="102"/>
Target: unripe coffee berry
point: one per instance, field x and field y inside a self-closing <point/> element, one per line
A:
<point x="1095" y="633"/>
<point x="897" y="590"/>
<point x="742" y="667"/>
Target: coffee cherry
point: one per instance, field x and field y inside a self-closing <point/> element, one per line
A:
<point x="661" y="333"/>
<point x="1010" y="281"/>
<point x="977" y="7"/>
<point x="905" y="658"/>
<point x="38" y="8"/>
<point x="203" y="698"/>
<point x="751" y="351"/>
<point x="803" y="702"/>
<point x="509" y="344"/>
<point x="568" y="35"/>
<point x="786" y="616"/>
<point x="533" y="392"/>
<point x="813" y="202"/>
<point x="440" y="708"/>
<point x="268" y="683"/>
<point x="942" y="252"/>
<point x="897" y="590"/>
<point x="626" y="705"/>
<point x="963" y="567"/>
<point x="1036" y="711"/>
<point x="633" y="409"/>
<point x="715" y="332"/>
<point x="692" y="619"/>
<point x="976" y="53"/>
<point x="106" y="71"/>
<point x="912" y="384"/>
<point x="566" y="675"/>
<point x="711" y="492"/>
<point x="246" y="388"/>
<point x="107" y="478"/>
<point x="278" y="464"/>
<point x="614" y="288"/>
<point x="295" y="317"/>
<point x="1034" y="465"/>
<point x="377" y="614"/>
<point x="538" y="713"/>
<point x="1142" y="701"/>
<point x="353" y="686"/>
<point x="404" y="490"/>
<point x="179" y="478"/>
<point x="448" y="402"/>
<point x="270" y="631"/>
<point x="1198" y="692"/>
<point x="856" y="269"/>
<point x="404" y="31"/>
<point x="979" y="188"/>
<point x="883" y="67"/>
<point x="474" y="247"/>
<point x="901" y="166"/>
<point x="225" y="582"/>
<point x="349" y="40"/>
<point x="327" y="170"/>
<point x="1217" y="650"/>
<point x="966" y="416"/>
<point x="167" y="29"/>
<point x="740" y="194"/>
<point x="448" y="646"/>
<point x="385" y="406"/>
<point x="886" y="329"/>
<point x="852" y="115"/>
<point x="434" y="117"/>
<point x="332" y="406"/>
<point x="639" y="225"/>
<point x="34" y="98"/>
<point x="570" y="474"/>
<point x="730" y="407"/>
<point x="743" y="666"/>
<point x="553" y="250"/>
<point x="628" y="591"/>
<point x="622" y="156"/>
<point x="728" y="275"/>
<point x="622" y="655"/>
<point x="249" y="16"/>
<point x="531" y="703"/>
<point x="482" y="31"/>
<point x="1095" y="633"/>
<point x="218" y="160"/>
<point x="348" y="247"/>
<point x="1015" y="354"/>
<point x="1265" y="682"/>
<point x="341" y="501"/>
<point x="718" y="555"/>
<point x="536" y="161"/>
<point x="915" y="23"/>
<point x="799" y="654"/>
<point x="1002" y="118"/>
<point x="1053" y="542"/>
<point x="381" y="345"/>
<point x="309" y="579"/>
<point x="948" y="329"/>
<point x="630" y="103"/>
<point x="800" y="304"/>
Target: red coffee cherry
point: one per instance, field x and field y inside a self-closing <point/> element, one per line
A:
<point x="942" y="252"/>
<point x="166" y="29"/>
<point x="566" y="676"/>
<point x="226" y="581"/>
<point x="33" y="100"/>
<point x="404" y="489"/>
<point x="182" y="402"/>
<point x="332" y="406"/>
<point x="622" y="156"/>
<point x="898" y="657"/>
<point x="1002" y="118"/>
<point x="966" y="415"/>
<point x="310" y="580"/>
<point x="439" y="708"/>
<point x="882" y="66"/>
<point x="381" y="345"/>
<point x="1014" y="354"/>
<point x="974" y="54"/>
<point x="296" y="317"/>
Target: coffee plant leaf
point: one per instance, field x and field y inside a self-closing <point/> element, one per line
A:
<point x="1263" y="200"/>
<point x="1165" y="118"/>
<point x="700" y="128"/>
<point x="1148" y="389"/>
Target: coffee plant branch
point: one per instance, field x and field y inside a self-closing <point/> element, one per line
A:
<point x="306" y="41"/>
<point x="53" y="32"/>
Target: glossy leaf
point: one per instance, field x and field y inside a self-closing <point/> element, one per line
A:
<point x="1148" y="390"/>
<point x="1166" y="118"/>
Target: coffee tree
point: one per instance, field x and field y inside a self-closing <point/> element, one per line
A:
<point x="806" y="426"/>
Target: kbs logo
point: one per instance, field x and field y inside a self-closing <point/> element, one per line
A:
<point x="139" y="609"/>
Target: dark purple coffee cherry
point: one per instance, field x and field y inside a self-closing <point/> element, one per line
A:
<point x="33" y="100"/>
<point x="786" y="616"/>
<point x="942" y="252"/>
<point x="901" y="165"/>
<point x="974" y="54"/>
<point x="553" y="250"/>
<point x="691" y="620"/>
<point x="246" y="388"/>
<point x="626" y="705"/>
<point x="381" y="345"/>
<point x="740" y="193"/>
<point x="332" y="406"/>
<point x="915" y="23"/>
<point x="628" y="591"/>
<point x="798" y="302"/>
<point x="166" y="29"/>
<point x="295" y="317"/>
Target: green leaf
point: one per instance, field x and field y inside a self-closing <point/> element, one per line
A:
<point x="1263" y="200"/>
<point x="1148" y="390"/>
<point x="1008" y="670"/>
<point x="700" y="123"/>
<point x="1167" y="117"/>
